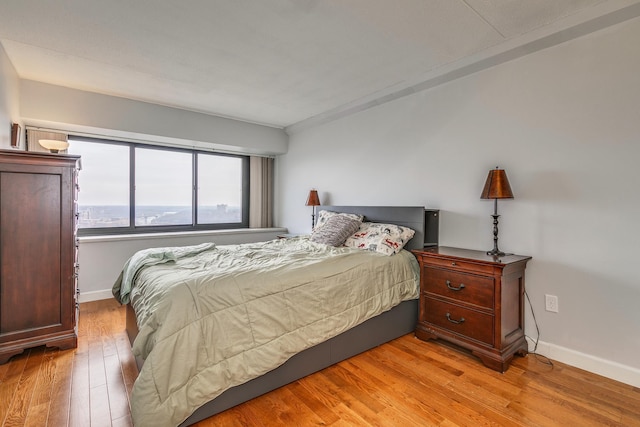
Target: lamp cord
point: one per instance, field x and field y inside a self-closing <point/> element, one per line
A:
<point x="539" y="357"/>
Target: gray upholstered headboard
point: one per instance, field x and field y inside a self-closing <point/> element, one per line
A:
<point x="408" y="216"/>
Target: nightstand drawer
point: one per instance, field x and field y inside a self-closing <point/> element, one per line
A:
<point x="459" y="320"/>
<point x="471" y="289"/>
<point x="460" y="265"/>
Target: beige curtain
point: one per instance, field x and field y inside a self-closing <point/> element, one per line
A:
<point x="34" y="135"/>
<point x="260" y="192"/>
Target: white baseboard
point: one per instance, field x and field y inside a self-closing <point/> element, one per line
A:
<point x="95" y="295"/>
<point x="606" y="368"/>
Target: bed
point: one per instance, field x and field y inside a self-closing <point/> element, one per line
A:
<point x="354" y="337"/>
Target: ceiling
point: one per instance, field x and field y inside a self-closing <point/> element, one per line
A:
<point x="283" y="63"/>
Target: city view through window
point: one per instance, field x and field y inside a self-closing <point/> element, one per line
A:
<point x="96" y="216"/>
<point x="163" y="186"/>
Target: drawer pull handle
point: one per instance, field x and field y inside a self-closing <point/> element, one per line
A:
<point x="453" y="264"/>
<point x="457" y="322"/>
<point x="453" y="288"/>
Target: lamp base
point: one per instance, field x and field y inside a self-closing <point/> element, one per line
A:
<point x="497" y="253"/>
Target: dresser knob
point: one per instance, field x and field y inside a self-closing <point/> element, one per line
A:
<point x="454" y="264"/>
<point x="453" y="288"/>
<point x="457" y="322"/>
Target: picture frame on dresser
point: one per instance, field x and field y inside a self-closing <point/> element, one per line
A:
<point x="15" y="135"/>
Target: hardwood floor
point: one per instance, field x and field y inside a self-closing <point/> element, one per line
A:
<point x="404" y="382"/>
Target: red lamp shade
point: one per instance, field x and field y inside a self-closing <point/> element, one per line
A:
<point x="313" y="199"/>
<point x="497" y="186"/>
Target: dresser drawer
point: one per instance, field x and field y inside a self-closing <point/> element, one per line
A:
<point x="459" y="320"/>
<point x="471" y="289"/>
<point x="460" y="265"/>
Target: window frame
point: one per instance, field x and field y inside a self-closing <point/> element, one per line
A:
<point x="149" y="229"/>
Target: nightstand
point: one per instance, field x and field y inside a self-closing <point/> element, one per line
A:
<point x="473" y="300"/>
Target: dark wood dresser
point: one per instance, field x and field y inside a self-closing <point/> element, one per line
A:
<point x="38" y="251"/>
<point x="473" y="300"/>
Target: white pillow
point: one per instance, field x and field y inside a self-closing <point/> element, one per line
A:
<point x="335" y="230"/>
<point x="324" y="215"/>
<point x="387" y="239"/>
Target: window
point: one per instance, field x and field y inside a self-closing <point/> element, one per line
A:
<point x="163" y="187"/>
<point x="219" y="189"/>
<point x="103" y="199"/>
<point x="132" y="187"/>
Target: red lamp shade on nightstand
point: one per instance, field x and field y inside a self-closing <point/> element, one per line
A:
<point x="496" y="187"/>
<point x="313" y="200"/>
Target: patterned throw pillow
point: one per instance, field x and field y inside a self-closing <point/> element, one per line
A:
<point x="324" y="215"/>
<point x="387" y="239"/>
<point x="335" y="230"/>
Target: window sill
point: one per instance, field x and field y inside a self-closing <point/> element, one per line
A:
<point x="148" y="236"/>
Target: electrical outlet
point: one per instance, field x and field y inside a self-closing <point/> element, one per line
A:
<point x="551" y="303"/>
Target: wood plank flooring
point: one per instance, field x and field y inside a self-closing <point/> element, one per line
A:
<point x="406" y="382"/>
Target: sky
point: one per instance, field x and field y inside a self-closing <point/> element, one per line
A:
<point x="163" y="176"/>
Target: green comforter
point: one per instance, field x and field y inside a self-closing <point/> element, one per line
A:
<point x="213" y="319"/>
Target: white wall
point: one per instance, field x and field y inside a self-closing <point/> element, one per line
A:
<point x="62" y="108"/>
<point x="9" y="100"/>
<point x="565" y="124"/>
